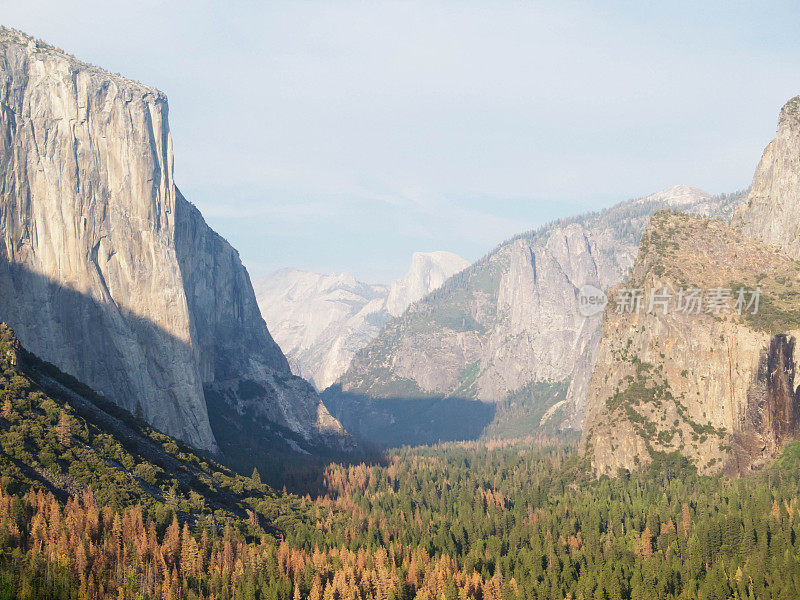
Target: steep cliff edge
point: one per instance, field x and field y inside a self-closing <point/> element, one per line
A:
<point x="716" y="388"/>
<point x="428" y="271"/>
<point x="108" y="273"/>
<point x="241" y="367"/>
<point x="771" y="213"/>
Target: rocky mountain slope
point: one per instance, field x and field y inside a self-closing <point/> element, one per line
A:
<point x="771" y="213"/>
<point x="717" y="388"/>
<point x="507" y="330"/>
<point x="109" y="273"/>
<point x="321" y="321"/>
<point x="428" y="271"/>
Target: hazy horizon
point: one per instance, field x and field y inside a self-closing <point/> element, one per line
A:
<point x="342" y="137"/>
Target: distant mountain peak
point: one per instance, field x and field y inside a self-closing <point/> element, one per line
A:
<point x="428" y="271"/>
<point x="321" y="320"/>
<point x="507" y="329"/>
<point x="677" y="196"/>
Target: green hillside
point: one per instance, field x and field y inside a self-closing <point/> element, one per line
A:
<point x="58" y="436"/>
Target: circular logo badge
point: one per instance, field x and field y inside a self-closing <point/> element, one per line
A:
<point x="591" y="300"/>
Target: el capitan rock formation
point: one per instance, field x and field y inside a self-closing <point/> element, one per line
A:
<point x="110" y="274"/>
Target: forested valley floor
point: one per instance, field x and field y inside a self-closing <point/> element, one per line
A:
<point x="456" y="521"/>
<point x="96" y="504"/>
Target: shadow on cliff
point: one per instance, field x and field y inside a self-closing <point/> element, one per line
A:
<point x="772" y="415"/>
<point x="283" y="458"/>
<point x="46" y="316"/>
<point x="380" y="423"/>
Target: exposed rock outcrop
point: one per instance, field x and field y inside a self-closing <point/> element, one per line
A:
<point x="716" y="388"/>
<point x="109" y="273"/>
<point x="428" y="271"/>
<point x="321" y="321"/>
<point x="772" y="418"/>
<point x="772" y="213"/>
<point x="721" y="389"/>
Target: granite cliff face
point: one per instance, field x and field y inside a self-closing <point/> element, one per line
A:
<point x="321" y="321"/>
<point x="110" y="274"/>
<point x="508" y="330"/>
<point x="428" y="271"/>
<point x="716" y="388"/>
<point x="771" y="213"/>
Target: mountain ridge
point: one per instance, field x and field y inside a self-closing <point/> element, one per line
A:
<point x="61" y="437"/>
<point x="511" y="321"/>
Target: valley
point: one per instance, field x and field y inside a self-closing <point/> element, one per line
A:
<point x="170" y="429"/>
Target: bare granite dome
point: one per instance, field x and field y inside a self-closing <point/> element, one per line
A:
<point x="321" y="321"/>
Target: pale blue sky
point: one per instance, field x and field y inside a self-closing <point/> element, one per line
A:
<point x="342" y="136"/>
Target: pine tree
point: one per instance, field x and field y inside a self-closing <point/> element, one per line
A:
<point x="63" y="432"/>
<point x="316" y="590"/>
<point x="116" y="530"/>
<point x="172" y="541"/>
<point x="687" y="519"/>
<point x="647" y="543"/>
<point x="189" y="552"/>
